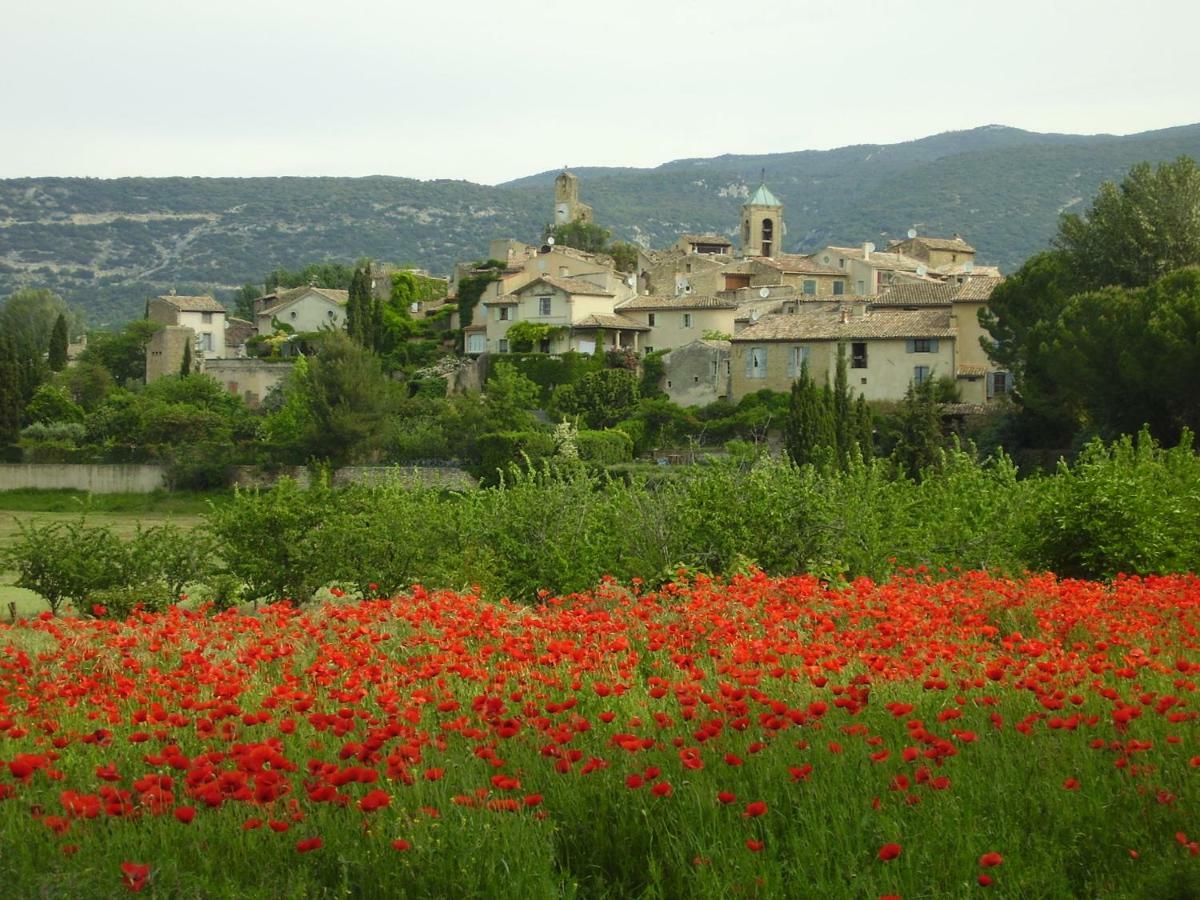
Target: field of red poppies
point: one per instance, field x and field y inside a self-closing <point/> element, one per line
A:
<point x="758" y="738"/>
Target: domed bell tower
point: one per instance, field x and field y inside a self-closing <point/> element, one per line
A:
<point x="762" y="224"/>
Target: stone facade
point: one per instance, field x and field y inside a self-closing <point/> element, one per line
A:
<point x="698" y="373"/>
<point x="165" y="350"/>
<point x="250" y="379"/>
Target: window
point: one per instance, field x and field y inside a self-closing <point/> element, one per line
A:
<point x="504" y="313"/>
<point x="810" y="287"/>
<point x="861" y="287"/>
<point x="858" y="356"/>
<point x="920" y="374"/>
<point x="503" y="345"/>
<point x="714" y="368"/>
<point x="922" y="345"/>
<point x="544" y="345"/>
<point x="756" y="362"/>
<point x="544" y="306"/>
<point x="839" y="288"/>
<point x="998" y="383"/>
<point x="293" y="314"/>
<point x="687" y="320"/>
<point x="647" y="350"/>
<point x="206" y="318"/>
<point x="797" y="357"/>
<point x="206" y="342"/>
<point x="475" y="343"/>
<point x="650" y="320"/>
<point x="331" y="313"/>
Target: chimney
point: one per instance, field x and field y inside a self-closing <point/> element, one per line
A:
<point x="844" y="315"/>
<point x="860" y="309"/>
<point x="867" y="248"/>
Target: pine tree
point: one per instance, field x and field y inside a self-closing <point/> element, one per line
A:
<point x="185" y="367"/>
<point x="58" y="344"/>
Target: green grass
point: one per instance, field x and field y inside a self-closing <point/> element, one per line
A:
<point x="121" y="512"/>
<point x="157" y="503"/>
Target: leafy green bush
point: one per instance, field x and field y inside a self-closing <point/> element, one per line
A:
<point x="604" y="447"/>
<point x="500" y="450"/>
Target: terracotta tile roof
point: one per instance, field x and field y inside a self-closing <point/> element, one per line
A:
<point x="978" y="287"/>
<point x="193" y="304"/>
<point x="962" y="409"/>
<point x="938" y="293"/>
<point x="503" y="300"/>
<point x="567" y="285"/>
<point x="801" y="265"/>
<point x="283" y="298"/>
<point x="706" y="239"/>
<point x="823" y="322"/>
<point x="611" y="322"/>
<point x="238" y="331"/>
<point x="473" y="328"/>
<point x="966" y="268"/>
<point x="969" y="371"/>
<point x="687" y="301"/>
<point x="956" y="243"/>
<point x="919" y="293"/>
<point x="880" y="259"/>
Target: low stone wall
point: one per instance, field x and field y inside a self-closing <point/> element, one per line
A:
<point x="99" y="478"/>
<point x="447" y="477"/>
<point x="104" y="478"/>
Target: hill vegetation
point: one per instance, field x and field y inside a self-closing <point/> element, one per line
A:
<point x="106" y="245"/>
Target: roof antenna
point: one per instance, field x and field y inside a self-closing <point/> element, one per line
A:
<point x="762" y="175"/>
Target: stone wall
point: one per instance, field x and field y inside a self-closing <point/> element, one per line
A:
<point x="97" y="478"/>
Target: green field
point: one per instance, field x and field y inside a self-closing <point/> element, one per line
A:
<point x="121" y="512"/>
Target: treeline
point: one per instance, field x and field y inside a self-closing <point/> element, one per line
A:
<point x="1126" y="507"/>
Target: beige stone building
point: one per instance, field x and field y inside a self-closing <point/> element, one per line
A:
<point x="579" y="311"/>
<point x="812" y="278"/>
<point x="676" y="321"/>
<point x="204" y="315"/>
<point x="887" y="348"/>
<point x="697" y="373"/>
<point x="935" y="252"/>
<point x="303" y="309"/>
<point x="568" y="207"/>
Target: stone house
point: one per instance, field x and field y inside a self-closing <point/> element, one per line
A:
<point x="675" y="321"/>
<point x="204" y="315"/>
<point x="935" y="252"/>
<point x="581" y="311"/>
<point x="697" y="373"/>
<point x="813" y="279"/>
<point x="304" y="309"/>
<point x="886" y="347"/>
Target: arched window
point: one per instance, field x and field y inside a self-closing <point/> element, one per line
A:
<point x="768" y="237"/>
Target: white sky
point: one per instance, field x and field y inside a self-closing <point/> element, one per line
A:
<point x="492" y="91"/>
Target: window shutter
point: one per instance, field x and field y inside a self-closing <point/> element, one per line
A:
<point x="762" y="363"/>
<point x="750" y="351"/>
<point x="933" y="346"/>
<point x="910" y="346"/>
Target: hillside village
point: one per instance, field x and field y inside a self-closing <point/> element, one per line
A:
<point x="732" y="317"/>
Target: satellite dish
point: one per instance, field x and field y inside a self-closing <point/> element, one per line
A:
<point x="921" y="270"/>
<point x="870" y="247"/>
<point x="630" y="280"/>
<point x="764" y="292"/>
<point x="754" y="315"/>
<point x="969" y="266"/>
<point x="687" y="288"/>
<point x="912" y="233"/>
<point x="550" y="241"/>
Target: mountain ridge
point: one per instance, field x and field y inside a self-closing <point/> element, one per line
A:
<point x="109" y="244"/>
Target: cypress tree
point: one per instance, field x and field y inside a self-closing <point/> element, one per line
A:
<point x="185" y="367"/>
<point x="58" y="344"/>
<point x="354" y="310"/>
<point x="920" y="431"/>
<point x="808" y="432"/>
<point x="10" y="392"/>
<point x="843" y="424"/>
<point x="864" y="427"/>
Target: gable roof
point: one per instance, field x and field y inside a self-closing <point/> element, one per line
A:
<point x="706" y="239"/>
<point x="238" y="331"/>
<point x="955" y="243"/>
<point x="939" y="293"/>
<point x="567" y="286"/>
<point x="797" y="264"/>
<point x="687" y="301"/>
<point x="283" y="299"/>
<point x="203" y="303"/>
<point x="622" y="323"/>
<point x="823" y="322"/>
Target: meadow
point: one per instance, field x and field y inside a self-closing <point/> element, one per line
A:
<point x="936" y="734"/>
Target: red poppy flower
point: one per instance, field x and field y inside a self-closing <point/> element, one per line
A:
<point x="308" y="844"/>
<point x="185" y="814"/>
<point x="754" y="846"/>
<point x="755" y="809"/>
<point x="990" y="859"/>
<point x="401" y="844"/>
<point x="889" y="851"/>
<point x="726" y="797"/>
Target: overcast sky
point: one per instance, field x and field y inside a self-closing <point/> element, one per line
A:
<point x="492" y="91"/>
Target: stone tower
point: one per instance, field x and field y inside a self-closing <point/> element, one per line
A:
<point x="567" y="208"/>
<point x="762" y="224"/>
